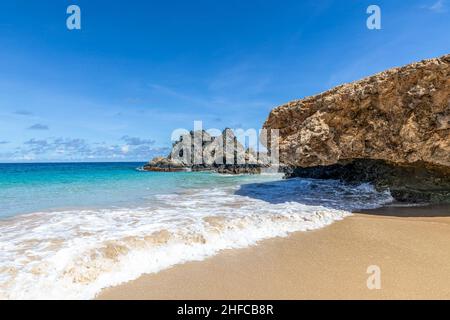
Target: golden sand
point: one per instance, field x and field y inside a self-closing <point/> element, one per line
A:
<point x="412" y="250"/>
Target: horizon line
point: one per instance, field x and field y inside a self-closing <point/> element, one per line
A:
<point x="57" y="162"/>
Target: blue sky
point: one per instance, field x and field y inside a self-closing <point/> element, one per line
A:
<point x="137" y="70"/>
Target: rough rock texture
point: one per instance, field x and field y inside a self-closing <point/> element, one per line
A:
<point x="232" y="158"/>
<point x="400" y="117"/>
<point x="164" y="165"/>
<point x="416" y="182"/>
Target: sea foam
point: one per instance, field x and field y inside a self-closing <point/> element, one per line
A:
<point x="74" y="254"/>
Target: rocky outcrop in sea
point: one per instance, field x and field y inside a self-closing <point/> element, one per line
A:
<point x="199" y="151"/>
<point x="391" y="129"/>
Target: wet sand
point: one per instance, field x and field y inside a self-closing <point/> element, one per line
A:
<point x="411" y="246"/>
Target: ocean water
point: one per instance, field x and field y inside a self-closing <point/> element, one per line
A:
<point x="69" y="230"/>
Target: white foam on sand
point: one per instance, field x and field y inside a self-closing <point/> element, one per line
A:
<point x="75" y="254"/>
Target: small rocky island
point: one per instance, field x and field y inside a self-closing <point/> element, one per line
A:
<point x="199" y="151"/>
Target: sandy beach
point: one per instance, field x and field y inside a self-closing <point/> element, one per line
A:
<point x="410" y="245"/>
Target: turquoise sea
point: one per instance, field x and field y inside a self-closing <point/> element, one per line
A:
<point x="28" y="188"/>
<point x="68" y="230"/>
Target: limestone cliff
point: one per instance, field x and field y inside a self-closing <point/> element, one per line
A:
<point x="398" y="118"/>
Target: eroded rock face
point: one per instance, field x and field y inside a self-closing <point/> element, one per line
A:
<point x="418" y="182"/>
<point x="400" y="117"/>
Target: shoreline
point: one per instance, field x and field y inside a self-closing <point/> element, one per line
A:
<point x="409" y="244"/>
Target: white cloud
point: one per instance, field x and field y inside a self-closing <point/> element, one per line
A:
<point x="23" y="113"/>
<point x="38" y="126"/>
<point x="79" y="149"/>
<point x="439" y="6"/>
<point x="135" y="141"/>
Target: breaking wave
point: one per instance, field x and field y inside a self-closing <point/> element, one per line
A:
<point x="74" y="254"/>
